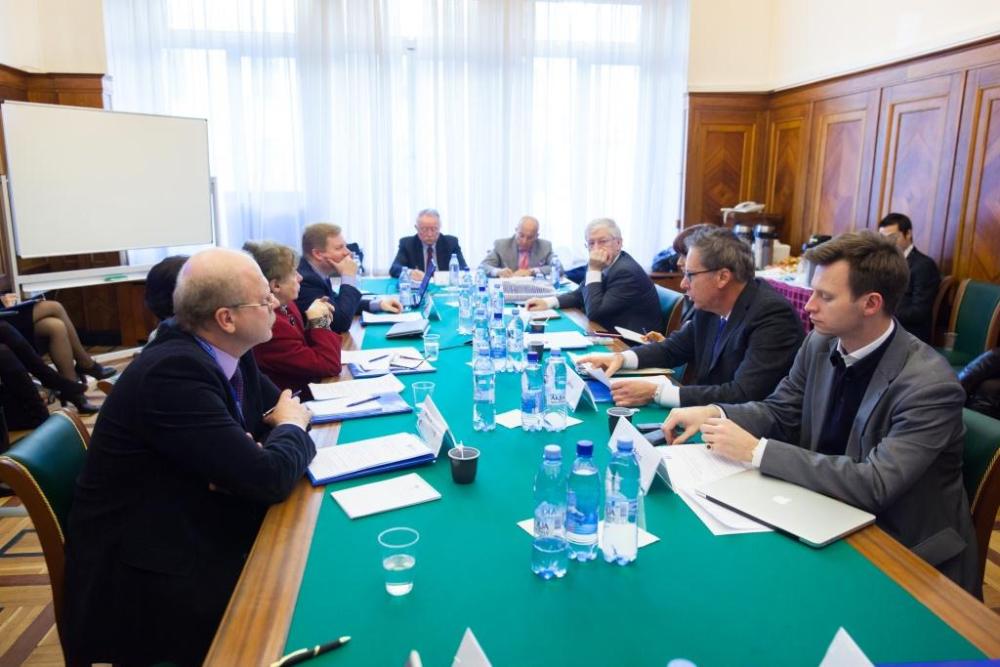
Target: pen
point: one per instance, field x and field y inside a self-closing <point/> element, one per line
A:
<point x="378" y="358"/>
<point x="363" y="400"/>
<point x="267" y="413"/>
<point x="304" y="654"/>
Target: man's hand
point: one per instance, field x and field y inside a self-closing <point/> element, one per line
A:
<point x="319" y="308"/>
<point x="724" y="437"/>
<point x="523" y="272"/>
<point x="653" y="337"/>
<point x="505" y="273"/>
<point x="390" y="304"/>
<point x="347" y="266"/>
<point x="609" y="363"/>
<point x="632" y="393"/>
<point x="416" y="275"/>
<point x="536" y="304"/>
<point x="288" y="409"/>
<point x="688" y="419"/>
<point x="600" y="259"/>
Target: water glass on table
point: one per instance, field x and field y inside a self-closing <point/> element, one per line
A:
<point x="432" y="346"/>
<point x="399" y="556"/>
<point x="421" y="391"/>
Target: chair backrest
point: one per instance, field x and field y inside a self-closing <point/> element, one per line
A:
<point x="42" y="468"/>
<point x="671" y="307"/>
<point x="975" y="317"/>
<point x="981" y="472"/>
<point x="945" y="294"/>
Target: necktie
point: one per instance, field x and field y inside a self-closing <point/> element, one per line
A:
<point x="430" y="257"/>
<point x="718" y="336"/>
<point x="522" y="259"/>
<point x="237" y="382"/>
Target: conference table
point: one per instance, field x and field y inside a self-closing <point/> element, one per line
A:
<point x="754" y="599"/>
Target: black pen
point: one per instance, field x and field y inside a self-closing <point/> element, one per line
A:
<point x="364" y="400"/>
<point x="378" y="358"/>
<point x="304" y="654"/>
<point x="267" y="413"/>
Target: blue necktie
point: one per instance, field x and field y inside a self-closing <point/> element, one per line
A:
<point x="718" y="336"/>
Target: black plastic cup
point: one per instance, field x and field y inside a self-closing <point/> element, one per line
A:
<point x="536" y="326"/>
<point x="616" y="413"/>
<point x="464" y="462"/>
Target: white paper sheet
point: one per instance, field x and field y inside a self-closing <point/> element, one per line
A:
<point x="844" y="652"/>
<point x="385" y="384"/>
<point x="388" y="494"/>
<point x="512" y="419"/>
<point x="390" y="318"/>
<point x="432" y="426"/>
<point x="564" y="340"/>
<point x="352" y="457"/>
<point x="378" y="358"/>
<point x="339" y="406"/>
<point x="645" y="538"/>
<point x="628" y="334"/>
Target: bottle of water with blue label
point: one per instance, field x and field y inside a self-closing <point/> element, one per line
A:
<point x="555" y="275"/>
<point x="484" y="411"/>
<point x="498" y="343"/>
<point x="480" y="332"/>
<point x="482" y="298"/>
<point x="465" y="321"/>
<point x="548" y="555"/>
<point x="532" y="393"/>
<point x="555" y="391"/>
<point x="515" y="344"/>
<point x="405" y="288"/>
<point x="454" y="271"/>
<point x="583" y="504"/>
<point x="496" y="297"/>
<point x="621" y="506"/>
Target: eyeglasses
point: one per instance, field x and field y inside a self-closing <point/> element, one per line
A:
<point x="269" y="304"/>
<point x="690" y="274"/>
<point x="600" y="242"/>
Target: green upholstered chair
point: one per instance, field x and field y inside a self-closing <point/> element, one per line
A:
<point x="42" y="468"/>
<point x="981" y="472"/>
<point x="672" y="307"/>
<point x="975" y="318"/>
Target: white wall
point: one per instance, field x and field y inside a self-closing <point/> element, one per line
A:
<point x="758" y="45"/>
<point x="53" y="36"/>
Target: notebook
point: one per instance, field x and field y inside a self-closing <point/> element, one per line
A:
<point x="408" y="329"/>
<point x="811" y="517"/>
<point x="385" y="495"/>
<point x="368" y="457"/>
<point x="356" y="407"/>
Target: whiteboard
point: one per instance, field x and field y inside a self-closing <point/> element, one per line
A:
<point x="87" y="180"/>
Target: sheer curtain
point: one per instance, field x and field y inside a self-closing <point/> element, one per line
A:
<point x="364" y="112"/>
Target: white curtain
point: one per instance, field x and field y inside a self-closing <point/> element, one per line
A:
<point x="362" y="112"/>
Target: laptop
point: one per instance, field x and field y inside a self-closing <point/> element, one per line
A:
<point x="424" y="284"/>
<point x="812" y="517"/>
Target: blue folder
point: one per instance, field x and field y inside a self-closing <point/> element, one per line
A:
<point x="602" y="394"/>
<point x="387" y="404"/>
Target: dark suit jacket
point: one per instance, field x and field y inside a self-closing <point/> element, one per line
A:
<point x="624" y="297"/>
<point x="758" y="346"/>
<point x="347" y="303"/>
<point x="411" y="254"/>
<point x="903" y="460"/>
<point x="915" y="309"/>
<point x="153" y="553"/>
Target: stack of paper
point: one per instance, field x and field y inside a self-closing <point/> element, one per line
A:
<point x="385" y="384"/>
<point x="367" y="457"/>
<point x="383" y="360"/>
<point x="389" y="318"/>
<point x="564" y="340"/>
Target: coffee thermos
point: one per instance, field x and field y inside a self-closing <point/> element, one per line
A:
<point x="764" y="238"/>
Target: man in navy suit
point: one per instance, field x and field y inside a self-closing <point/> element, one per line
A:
<point x="183" y="464"/>
<point x="416" y="252"/>
<point x="616" y="290"/>
<point x="324" y="254"/>
<point x="917" y="305"/>
<point x="740" y="341"/>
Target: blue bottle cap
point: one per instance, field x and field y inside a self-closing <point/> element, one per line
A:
<point x="497" y="315"/>
<point x="555" y="352"/>
<point x="552" y="453"/>
<point x="584" y="448"/>
<point x="532" y="353"/>
<point x="625" y="446"/>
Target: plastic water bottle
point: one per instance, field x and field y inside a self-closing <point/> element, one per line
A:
<point x="548" y="549"/>
<point x="405" y="288"/>
<point x="482" y="298"/>
<point x="515" y="344"/>
<point x="454" y="270"/>
<point x="498" y="343"/>
<point x="480" y="332"/>
<point x="621" y="505"/>
<point x="465" y="322"/>
<point x="583" y="503"/>
<point x="532" y="394"/>
<point x="484" y="411"/>
<point x="496" y="296"/>
<point x="482" y="279"/>
<point x="555" y="275"/>
<point x="555" y="391"/>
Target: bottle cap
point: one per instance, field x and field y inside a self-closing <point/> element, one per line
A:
<point x="555" y="352"/>
<point x="584" y="448"/>
<point x="625" y="446"/>
<point x="532" y="353"/>
<point x="552" y="453"/>
<point x="497" y="315"/>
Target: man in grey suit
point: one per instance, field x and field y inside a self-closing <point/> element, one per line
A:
<point x="868" y="414"/>
<point x="523" y="254"/>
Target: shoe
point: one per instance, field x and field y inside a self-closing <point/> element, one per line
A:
<point x="96" y="371"/>
<point x="83" y="406"/>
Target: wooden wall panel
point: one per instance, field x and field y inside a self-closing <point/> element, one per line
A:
<point x="979" y="173"/>
<point x="787" y="148"/>
<point x="918" y="131"/>
<point x="838" y="183"/>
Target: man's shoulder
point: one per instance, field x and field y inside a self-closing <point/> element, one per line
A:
<point x="922" y="363"/>
<point x="767" y="299"/>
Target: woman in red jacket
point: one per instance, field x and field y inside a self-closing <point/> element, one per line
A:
<point x="301" y="349"/>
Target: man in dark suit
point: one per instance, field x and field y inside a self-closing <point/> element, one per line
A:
<point x="616" y="290"/>
<point x="182" y="466"/>
<point x="740" y="341"/>
<point x="917" y="305"/>
<point x="523" y="254"/>
<point x="415" y="252"/>
<point x="868" y="414"/>
<point x="324" y="254"/>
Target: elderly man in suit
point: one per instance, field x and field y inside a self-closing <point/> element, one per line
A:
<point x="868" y="414"/>
<point x="428" y="244"/>
<point x="523" y="254"/>
<point x="616" y="290"/>
<point x="740" y="341"/>
<point x="185" y="460"/>
<point x="917" y="305"/>
<point x="324" y="254"/>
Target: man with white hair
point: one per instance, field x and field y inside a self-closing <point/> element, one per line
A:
<point x="616" y="290"/>
<point x="523" y="254"/>
<point x="189" y="451"/>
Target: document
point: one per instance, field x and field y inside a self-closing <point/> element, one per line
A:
<point x="685" y="467"/>
<point x="388" y="494"/>
<point x="536" y="315"/>
<point x="844" y="652"/>
<point x="645" y="538"/>
<point x="379" y="361"/>
<point x="512" y="419"/>
<point x="350" y="407"/>
<point x="564" y="340"/>
<point x="367" y="457"/>
<point x="628" y="334"/>
<point x="390" y="318"/>
<point x="384" y="384"/>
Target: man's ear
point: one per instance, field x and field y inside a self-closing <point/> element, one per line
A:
<point x="224" y="320"/>
<point x="873" y="303"/>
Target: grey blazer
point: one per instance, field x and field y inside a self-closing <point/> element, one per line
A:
<point x="504" y="255"/>
<point x="903" y="460"/>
